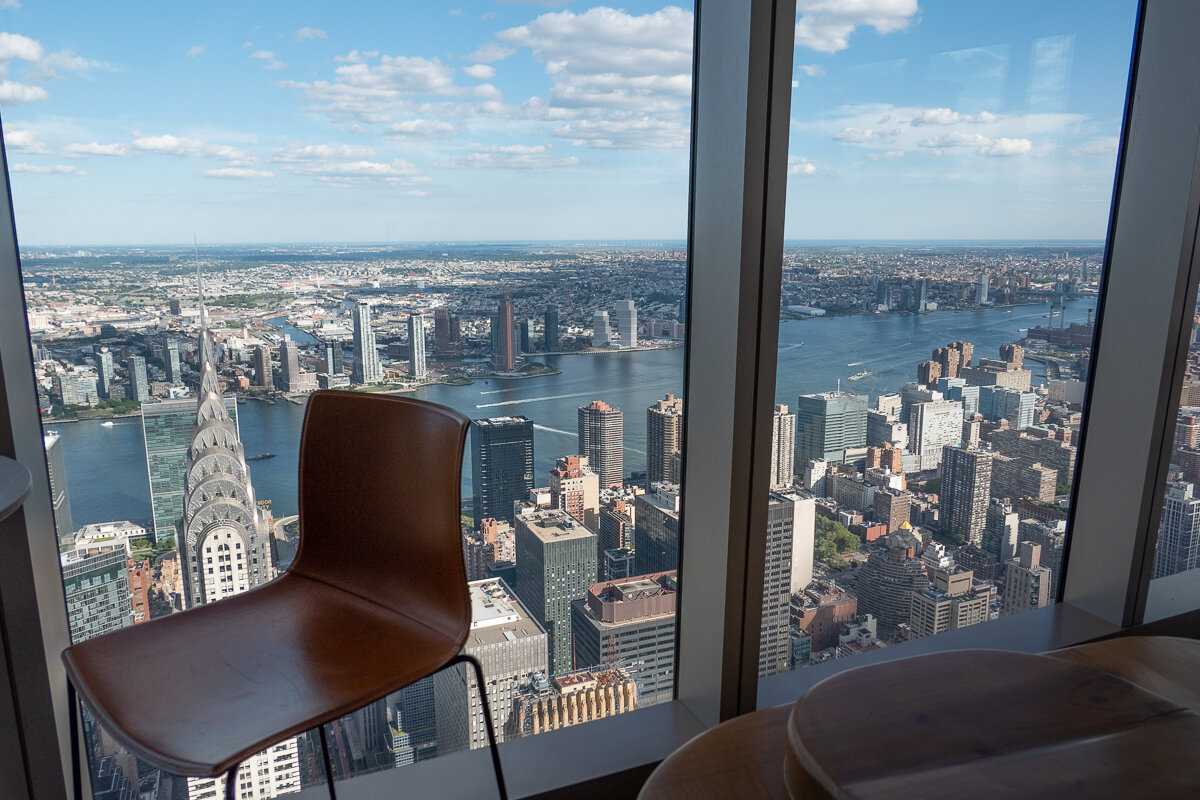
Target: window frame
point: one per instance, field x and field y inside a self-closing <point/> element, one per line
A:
<point x="742" y="62"/>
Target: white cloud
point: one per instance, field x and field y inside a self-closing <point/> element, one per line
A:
<point x="860" y="135"/>
<point x="945" y="116"/>
<point x="888" y="155"/>
<point x="304" y="34"/>
<point x="397" y="169"/>
<point x="52" y="169"/>
<point x="955" y="139"/>
<point x="798" y="165"/>
<point x="826" y="25"/>
<point x="25" y="141"/>
<point x="491" y="52"/>
<point x="195" y="50"/>
<point x="624" y="131"/>
<point x="480" y="72"/>
<point x="512" y="156"/>
<point x="811" y="70"/>
<point x="95" y="149"/>
<point x="14" y="94"/>
<point x="295" y="153"/>
<point x="1007" y="147"/>
<point x="10" y="4"/>
<point x="237" y="172"/>
<point x="1106" y="146"/>
<point x="269" y="57"/>
<point x="15" y="46"/>
<point x="168" y="144"/>
<point x="419" y="129"/>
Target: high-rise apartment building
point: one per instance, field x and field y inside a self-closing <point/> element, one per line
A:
<point x="1051" y="537"/>
<point x="954" y="600"/>
<point x="263" y="373"/>
<point x="656" y="530"/>
<point x="966" y="492"/>
<point x="173" y="367"/>
<point x="664" y="438"/>
<point x="492" y="542"/>
<point x="139" y="383"/>
<point x="630" y="623"/>
<point x="1000" y="530"/>
<point x="791" y="521"/>
<point x="511" y="646"/>
<point x="627" y="324"/>
<point x="366" y="368"/>
<point x="601" y="441"/>
<point x="783" y="448"/>
<point x="64" y="526"/>
<point x="289" y="365"/>
<point x="96" y="585"/>
<point x="504" y="344"/>
<point x="1026" y="581"/>
<point x="887" y="581"/>
<point x="556" y="563"/>
<point x="575" y="488"/>
<point x="333" y="358"/>
<point x="446" y="332"/>
<point x="600" y="336"/>
<point x="104" y="372"/>
<point x="550" y="334"/>
<point x="829" y="424"/>
<point x="416" y="346"/>
<point x="932" y="426"/>
<point x="501" y="465"/>
<point x="167" y="428"/>
<point x="1179" y="531"/>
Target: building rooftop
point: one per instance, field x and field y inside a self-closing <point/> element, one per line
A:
<point x="500" y="421"/>
<point x="497" y="615"/>
<point x="552" y="524"/>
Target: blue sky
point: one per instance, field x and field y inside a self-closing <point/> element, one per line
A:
<point x="147" y="122"/>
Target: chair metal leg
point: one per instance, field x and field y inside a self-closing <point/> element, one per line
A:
<point x="76" y="730"/>
<point x="487" y="718"/>
<point x="328" y="763"/>
<point x="231" y="781"/>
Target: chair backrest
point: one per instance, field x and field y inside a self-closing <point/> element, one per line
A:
<point x="380" y="487"/>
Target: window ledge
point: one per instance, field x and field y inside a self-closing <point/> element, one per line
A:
<point x="1058" y="625"/>
<point x="536" y="765"/>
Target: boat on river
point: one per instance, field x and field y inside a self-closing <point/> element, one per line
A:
<point x="858" y="376"/>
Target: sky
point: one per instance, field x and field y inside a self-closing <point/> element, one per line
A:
<point x="151" y="123"/>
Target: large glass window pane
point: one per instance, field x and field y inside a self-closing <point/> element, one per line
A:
<point x="949" y="183"/>
<point x="484" y="206"/>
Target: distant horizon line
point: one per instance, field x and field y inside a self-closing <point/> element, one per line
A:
<point x="582" y="242"/>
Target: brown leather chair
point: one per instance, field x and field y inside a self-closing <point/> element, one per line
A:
<point x="376" y="599"/>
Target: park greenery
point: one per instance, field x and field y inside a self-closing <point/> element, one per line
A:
<point x="105" y="408"/>
<point x="832" y="541"/>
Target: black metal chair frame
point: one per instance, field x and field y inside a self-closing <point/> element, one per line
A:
<point x="78" y="764"/>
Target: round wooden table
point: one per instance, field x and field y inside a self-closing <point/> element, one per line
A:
<point x="989" y="724"/>
<point x="15" y="483"/>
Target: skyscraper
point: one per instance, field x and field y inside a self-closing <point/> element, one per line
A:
<point x="289" y="365"/>
<point x="981" y="289"/>
<point x="64" y="527"/>
<point x="167" y="427"/>
<point x="333" y="358"/>
<point x="575" y="488"/>
<point x="501" y="465"/>
<point x="601" y="441"/>
<point x="791" y="530"/>
<point x="1000" y="530"/>
<point x="664" y="438"/>
<point x="526" y="331"/>
<point x="783" y="448"/>
<point x="104" y="371"/>
<point x="174" y="370"/>
<point x="600" y="329"/>
<point x="556" y="563"/>
<point x="511" y="645"/>
<point x="1179" y="531"/>
<point x="504" y="345"/>
<point x="656" y="530"/>
<point x="366" y="367"/>
<point x="445" y="332"/>
<point x="932" y="426"/>
<point x="263" y="373"/>
<point x="828" y="424"/>
<point x="551" y="331"/>
<point x="965" y="493"/>
<point x="224" y="550"/>
<point x="96" y="585"/>
<point x="630" y="623"/>
<point x="139" y="384"/>
<point x="1026" y="581"/>
<point x="627" y="323"/>
<point x="416" y="345"/>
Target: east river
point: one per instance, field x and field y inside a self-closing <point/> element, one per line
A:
<point x="106" y="466"/>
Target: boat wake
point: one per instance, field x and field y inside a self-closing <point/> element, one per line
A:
<point x="536" y="399"/>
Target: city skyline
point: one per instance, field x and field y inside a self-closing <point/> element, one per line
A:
<point x="923" y="120"/>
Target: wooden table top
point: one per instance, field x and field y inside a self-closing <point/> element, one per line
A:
<point x="989" y="724"/>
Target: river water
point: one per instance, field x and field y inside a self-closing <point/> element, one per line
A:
<point x="106" y="467"/>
